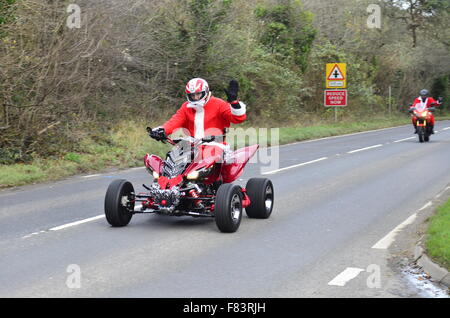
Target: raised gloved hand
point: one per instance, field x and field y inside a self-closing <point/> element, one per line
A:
<point x="157" y="133"/>
<point x="232" y="92"/>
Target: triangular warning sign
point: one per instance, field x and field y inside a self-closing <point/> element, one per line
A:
<point x="336" y="74"/>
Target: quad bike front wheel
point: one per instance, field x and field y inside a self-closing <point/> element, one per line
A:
<point x="228" y="207"/>
<point x="260" y="192"/>
<point x="119" y="203"/>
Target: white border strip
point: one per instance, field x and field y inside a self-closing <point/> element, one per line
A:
<point x="92" y="175"/>
<point x="429" y="203"/>
<point x="386" y="241"/>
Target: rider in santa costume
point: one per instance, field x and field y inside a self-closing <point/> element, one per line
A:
<point x="426" y="101"/>
<point x="203" y="114"/>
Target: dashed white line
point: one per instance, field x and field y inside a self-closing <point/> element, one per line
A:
<point x="295" y="166"/>
<point x="366" y="148"/>
<point x="64" y="226"/>
<point x="347" y="275"/>
<point x="405" y="139"/>
<point x="386" y="241"/>
<point x="447" y="128"/>
<point x="33" y="234"/>
<point x="57" y="228"/>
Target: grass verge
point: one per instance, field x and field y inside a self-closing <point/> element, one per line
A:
<point x="438" y="236"/>
<point x="128" y="143"/>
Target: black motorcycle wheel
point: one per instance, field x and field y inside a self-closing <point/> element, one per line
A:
<point x="261" y="194"/>
<point x="119" y="203"/>
<point x="421" y="133"/>
<point x="228" y="208"/>
<point x="427" y="134"/>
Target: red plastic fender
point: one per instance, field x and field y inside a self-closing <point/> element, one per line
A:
<point x="154" y="163"/>
<point x="232" y="171"/>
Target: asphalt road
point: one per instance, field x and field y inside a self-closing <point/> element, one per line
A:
<point x="319" y="242"/>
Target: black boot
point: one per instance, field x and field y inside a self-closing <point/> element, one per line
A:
<point x="432" y="129"/>
<point x="415" y="129"/>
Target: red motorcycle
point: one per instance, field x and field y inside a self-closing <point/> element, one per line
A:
<point x="423" y="117"/>
<point x="194" y="180"/>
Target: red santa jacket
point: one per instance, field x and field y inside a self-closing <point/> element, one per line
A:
<point x="209" y="120"/>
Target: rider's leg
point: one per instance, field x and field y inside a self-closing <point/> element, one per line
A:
<point x="414" y="122"/>
<point x="432" y="123"/>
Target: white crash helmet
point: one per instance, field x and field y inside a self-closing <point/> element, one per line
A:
<point x="195" y="86"/>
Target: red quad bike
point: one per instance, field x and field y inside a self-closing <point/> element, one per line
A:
<point x="423" y="116"/>
<point x="194" y="181"/>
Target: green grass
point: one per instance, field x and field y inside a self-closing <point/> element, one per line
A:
<point x="438" y="236"/>
<point x="128" y="143"/>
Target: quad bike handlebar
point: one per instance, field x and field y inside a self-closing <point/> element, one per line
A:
<point x="164" y="138"/>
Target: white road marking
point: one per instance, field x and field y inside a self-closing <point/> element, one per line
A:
<point x="332" y="137"/>
<point x="386" y="241"/>
<point x="57" y="228"/>
<point x="366" y="148"/>
<point x="425" y="206"/>
<point x="447" y="128"/>
<point x="295" y="166"/>
<point x="442" y="192"/>
<point x="92" y="175"/>
<point x="404" y="139"/>
<point x="343" y="278"/>
<point x="32" y="234"/>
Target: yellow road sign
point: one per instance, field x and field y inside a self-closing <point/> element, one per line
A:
<point x="336" y="75"/>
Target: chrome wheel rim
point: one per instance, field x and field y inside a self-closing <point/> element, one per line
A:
<point x="235" y="207"/>
<point x="268" y="198"/>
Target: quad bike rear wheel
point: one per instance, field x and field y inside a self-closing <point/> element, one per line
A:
<point x="228" y="208"/>
<point x="260" y="192"/>
<point x="119" y="203"/>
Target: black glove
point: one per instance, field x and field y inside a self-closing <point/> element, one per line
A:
<point x="440" y="99"/>
<point x="232" y="91"/>
<point x="157" y="134"/>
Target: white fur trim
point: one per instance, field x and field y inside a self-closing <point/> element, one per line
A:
<point x="240" y="111"/>
<point x="199" y="122"/>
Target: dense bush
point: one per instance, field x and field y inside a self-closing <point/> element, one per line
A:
<point x="132" y="59"/>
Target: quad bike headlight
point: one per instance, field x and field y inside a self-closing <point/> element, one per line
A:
<point x="155" y="175"/>
<point x="194" y="175"/>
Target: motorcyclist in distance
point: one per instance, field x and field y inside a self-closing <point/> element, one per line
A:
<point x="425" y="100"/>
